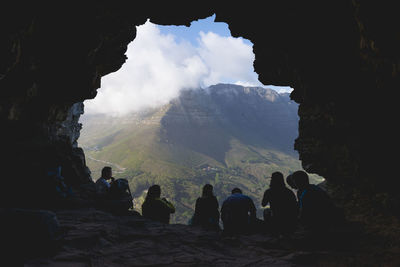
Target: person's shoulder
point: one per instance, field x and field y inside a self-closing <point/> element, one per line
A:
<point x="211" y="200"/>
<point x="247" y="197"/>
<point x="101" y="180"/>
<point x="313" y="191"/>
<point x="205" y="199"/>
<point x="227" y="199"/>
<point x="145" y="204"/>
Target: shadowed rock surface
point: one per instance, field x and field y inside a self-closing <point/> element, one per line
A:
<point x="341" y="57"/>
<point x="96" y="238"/>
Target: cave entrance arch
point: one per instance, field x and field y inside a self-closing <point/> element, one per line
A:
<point x="247" y="143"/>
<point x="334" y="54"/>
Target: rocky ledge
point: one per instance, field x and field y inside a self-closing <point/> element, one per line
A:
<point x="96" y="238"/>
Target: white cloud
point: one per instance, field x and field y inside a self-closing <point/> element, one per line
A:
<point x="228" y="58"/>
<point x="280" y="89"/>
<point x="248" y="84"/>
<point x="159" y="67"/>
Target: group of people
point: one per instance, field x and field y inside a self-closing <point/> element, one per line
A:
<point x="112" y="194"/>
<point x="310" y="207"/>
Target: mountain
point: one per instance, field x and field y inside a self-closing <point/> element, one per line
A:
<point x="227" y="135"/>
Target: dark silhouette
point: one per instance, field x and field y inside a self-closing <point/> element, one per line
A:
<point x="114" y="197"/>
<point x="281" y="218"/>
<point x="238" y="213"/>
<point x="290" y="181"/>
<point x="121" y="197"/>
<point x="155" y="208"/>
<point x="292" y="184"/>
<point x="102" y="184"/>
<point x="315" y="206"/>
<point x="206" y="212"/>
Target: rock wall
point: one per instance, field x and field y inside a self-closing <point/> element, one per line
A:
<point x="341" y="57"/>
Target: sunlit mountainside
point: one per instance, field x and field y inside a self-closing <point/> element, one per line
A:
<point x="227" y="135"/>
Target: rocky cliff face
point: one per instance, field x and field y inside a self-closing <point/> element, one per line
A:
<point x="245" y="113"/>
<point x="342" y="58"/>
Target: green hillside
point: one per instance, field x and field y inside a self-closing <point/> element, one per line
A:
<point x="192" y="141"/>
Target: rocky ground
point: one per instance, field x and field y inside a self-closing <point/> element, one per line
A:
<point x="96" y="238"/>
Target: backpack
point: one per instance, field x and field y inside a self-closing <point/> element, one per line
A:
<point x="119" y="190"/>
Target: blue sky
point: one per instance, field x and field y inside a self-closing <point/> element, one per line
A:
<point x="163" y="60"/>
<point x="191" y="33"/>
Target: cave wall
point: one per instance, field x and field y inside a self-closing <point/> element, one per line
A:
<point x="341" y="57"/>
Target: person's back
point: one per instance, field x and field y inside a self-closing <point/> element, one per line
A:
<point x="284" y="208"/>
<point x="207" y="209"/>
<point x="316" y="207"/>
<point x="238" y="212"/>
<point x="155" y="208"/>
<point x="283" y="203"/>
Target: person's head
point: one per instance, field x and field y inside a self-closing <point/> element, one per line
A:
<point x="154" y="192"/>
<point x="106" y="173"/>
<point x="301" y="179"/>
<point x="277" y="180"/>
<point x="236" y="191"/>
<point x="290" y="181"/>
<point x="207" y="190"/>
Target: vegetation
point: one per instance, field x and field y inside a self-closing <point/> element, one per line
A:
<point x="181" y="152"/>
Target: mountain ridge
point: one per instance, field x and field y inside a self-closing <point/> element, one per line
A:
<point x="226" y="135"/>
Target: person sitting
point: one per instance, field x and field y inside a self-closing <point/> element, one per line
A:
<point x="316" y="207"/>
<point x="102" y="186"/>
<point x="282" y="216"/>
<point x="238" y="213"/>
<point x="155" y="208"/>
<point x="206" y="212"/>
<point x="114" y="197"/>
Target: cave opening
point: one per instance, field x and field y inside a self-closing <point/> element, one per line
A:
<point x="341" y="57"/>
<point x="187" y="109"/>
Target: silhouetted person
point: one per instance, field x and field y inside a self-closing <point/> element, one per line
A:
<point x="290" y="181"/>
<point x="282" y="216"/>
<point x="292" y="184"/>
<point x="102" y="184"/>
<point x="155" y="208"/>
<point x="206" y="212"/>
<point x="238" y="213"/>
<point x="114" y="196"/>
<point x="316" y="207"/>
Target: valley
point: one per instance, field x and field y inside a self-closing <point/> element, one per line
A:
<point x="226" y="135"/>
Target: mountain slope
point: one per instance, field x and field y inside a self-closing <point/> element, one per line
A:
<point x="226" y="135"/>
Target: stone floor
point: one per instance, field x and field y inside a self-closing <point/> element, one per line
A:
<point x="96" y="238"/>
